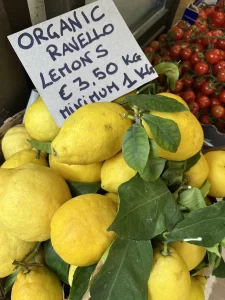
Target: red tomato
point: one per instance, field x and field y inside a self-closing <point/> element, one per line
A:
<point x="185" y="67"/>
<point x="209" y="11"/>
<point x="187" y="80"/>
<point x="218" y="18"/>
<point x="207" y="40"/>
<point x="218" y="8"/>
<point x="201" y="68"/>
<point x="201" y="24"/>
<point x="207" y="88"/>
<point x="195" y="58"/>
<point x="182" y="44"/>
<point x="186" y="53"/>
<point x="177" y="33"/>
<point x="204" y="119"/>
<point x="213" y="56"/>
<point x="203" y="101"/>
<point x="175" y="51"/>
<point x="183" y="24"/>
<point x="221" y="75"/>
<point x="166" y="58"/>
<point x="202" y="14"/>
<point x="179" y="86"/>
<point x="149" y="50"/>
<point x="217" y="111"/>
<point x="214" y="101"/>
<point x="188" y="34"/>
<point x="217" y="67"/>
<point x="194" y="107"/>
<point x="155" y="45"/>
<point x="197" y="47"/>
<point x="156" y="60"/>
<point x="222" y="96"/>
<point x="162" y="37"/>
<point x="222" y="54"/>
<point x="188" y="96"/>
<point x="198" y="83"/>
<point x="221" y="44"/>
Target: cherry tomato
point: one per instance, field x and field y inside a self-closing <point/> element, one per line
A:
<point x="218" y="8"/>
<point x="188" y="34"/>
<point x="164" y="51"/>
<point x="162" y="37"/>
<point x="201" y="24"/>
<point x="195" y="58"/>
<point x="204" y="119"/>
<point x="217" y="67"/>
<point x="214" y="101"/>
<point x="222" y="54"/>
<point x="155" y="45"/>
<point x="198" y="83"/>
<point x="179" y="86"/>
<point x="222" y="96"/>
<point x="207" y="88"/>
<point x="182" y="44"/>
<point x="221" y="44"/>
<point x="197" y="47"/>
<point x="156" y="60"/>
<point x="186" y="53"/>
<point x="221" y="75"/>
<point x="213" y="56"/>
<point x="175" y="51"/>
<point x="194" y="107"/>
<point x="187" y="80"/>
<point x="209" y="11"/>
<point x="177" y="33"/>
<point x="203" y="101"/>
<point x="201" y="68"/>
<point x="186" y="66"/>
<point x="218" y="18"/>
<point x="207" y="40"/>
<point x="188" y="96"/>
<point x="166" y="58"/>
<point x="149" y="50"/>
<point x="217" y="111"/>
<point x="183" y="24"/>
<point x="202" y="14"/>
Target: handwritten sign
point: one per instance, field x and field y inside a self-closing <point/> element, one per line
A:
<point x="84" y="56"/>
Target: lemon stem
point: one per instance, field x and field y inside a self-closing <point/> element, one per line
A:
<point x="165" y="249"/>
<point x="32" y="252"/>
<point x="21" y="265"/>
<point x="38" y="154"/>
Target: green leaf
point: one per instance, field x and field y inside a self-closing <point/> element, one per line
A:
<point x="42" y="146"/>
<point x="174" y="172"/>
<point x="171" y="70"/>
<point x="191" y="199"/>
<point x="219" y="272"/>
<point x="9" y="281"/>
<point x="55" y="263"/>
<point x="155" y="103"/>
<point x="205" y="189"/>
<point x="192" y="161"/>
<point x="136" y="147"/>
<point x="207" y="224"/>
<point x="165" y="132"/>
<point x="81" y="280"/>
<point x="146" y="210"/>
<point x="80" y="188"/>
<point x="153" y="169"/>
<point x="215" y="250"/>
<point x="222" y="243"/>
<point x="125" y="273"/>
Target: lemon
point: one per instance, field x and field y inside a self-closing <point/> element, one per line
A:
<point x="91" y="134"/>
<point x="190" y="253"/>
<point x="169" y="278"/>
<point x="15" y="140"/>
<point x="11" y="248"/>
<point x="40" y="283"/>
<point x="198" y="174"/>
<point x="197" y="288"/>
<point x="115" y="171"/>
<point x="25" y="157"/>
<point x="77" y="173"/>
<point x="113" y="196"/>
<point x="39" y="122"/>
<point x="72" y="270"/>
<point x="191" y="135"/>
<point x="216" y="177"/>
<point x="79" y="229"/>
<point x="30" y="195"/>
<point x="175" y="97"/>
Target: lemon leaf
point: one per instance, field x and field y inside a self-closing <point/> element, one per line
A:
<point x="55" y="262"/>
<point x="146" y="210"/>
<point x="207" y="225"/>
<point x="192" y="161"/>
<point x="42" y="146"/>
<point x="173" y="174"/>
<point x="80" y="188"/>
<point x="219" y="272"/>
<point x="136" y="147"/>
<point x="9" y="281"/>
<point x="153" y="169"/>
<point x="165" y="132"/>
<point x="205" y="188"/>
<point x="191" y="199"/>
<point x="171" y="70"/>
<point x="125" y="273"/>
<point x="156" y="103"/>
<point x="81" y="280"/>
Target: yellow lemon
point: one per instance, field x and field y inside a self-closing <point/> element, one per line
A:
<point x="114" y="197"/>
<point x="216" y="177"/>
<point x="115" y="171"/>
<point x="30" y="195"/>
<point x="39" y="283"/>
<point x="11" y="248"/>
<point x="91" y="134"/>
<point x="169" y="278"/>
<point x="77" y="173"/>
<point x="176" y="97"/>
<point x="72" y="270"/>
<point x="79" y="229"/>
<point x="198" y="174"/>
<point x="15" y="140"/>
<point x="39" y="122"/>
<point x="197" y="288"/>
<point x="190" y="253"/>
<point x="191" y="135"/>
<point x="24" y="157"/>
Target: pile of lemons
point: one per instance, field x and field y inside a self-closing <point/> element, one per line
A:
<point x="36" y="202"/>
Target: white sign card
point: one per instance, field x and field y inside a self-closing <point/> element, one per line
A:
<point x="84" y="56"/>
